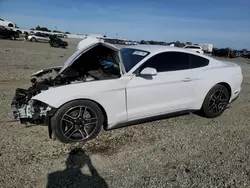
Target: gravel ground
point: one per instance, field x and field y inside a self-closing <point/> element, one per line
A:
<point x="185" y="151"/>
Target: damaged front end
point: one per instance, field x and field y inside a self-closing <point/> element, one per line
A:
<point x="26" y="109"/>
<point x="97" y="61"/>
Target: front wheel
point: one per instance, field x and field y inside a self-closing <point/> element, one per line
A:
<point x="215" y="101"/>
<point x="33" y="39"/>
<point x="12" y="37"/>
<point x="77" y="121"/>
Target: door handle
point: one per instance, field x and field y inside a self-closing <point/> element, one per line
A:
<point x="187" y="80"/>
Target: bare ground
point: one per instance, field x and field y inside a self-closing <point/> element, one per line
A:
<point x="186" y="151"/>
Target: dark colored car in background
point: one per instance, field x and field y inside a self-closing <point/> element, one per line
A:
<point x="246" y="55"/>
<point x="55" y="41"/>
<point x="224" y="53"/>
<point x="8" y="33"/>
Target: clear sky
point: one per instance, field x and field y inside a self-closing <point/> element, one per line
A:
<point x="224" y="23"/>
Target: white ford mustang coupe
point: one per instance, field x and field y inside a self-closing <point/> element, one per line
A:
<point x="101" y="86"/>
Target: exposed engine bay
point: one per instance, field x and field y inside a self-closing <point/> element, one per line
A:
<point x="96" y="63"/>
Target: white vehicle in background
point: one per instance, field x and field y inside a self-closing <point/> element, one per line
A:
<point x="39" y="37"/>
<point x="101" y="86"/>
<point x="6" y="23"/>
<point x="207" y="48"/>
<point x="194" y="48"/>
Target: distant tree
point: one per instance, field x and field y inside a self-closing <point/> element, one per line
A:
<point x="55" y="31"/>
<point x="38" y="28"/>
<point x="67" y="32"/>
<point x="189" y="43"/>
<point x="151" y="42"/>
<point x="143" y="42"/>
<point x="178" y="44"/>
<point x="244" y="50"/>
<point x="32" y="29"/>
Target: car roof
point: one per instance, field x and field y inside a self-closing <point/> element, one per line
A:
<point x="155" y="49"/>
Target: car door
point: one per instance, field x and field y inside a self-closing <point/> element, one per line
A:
<point x="198" y="65"/>
<point x="46" y="38"/>
<point x="38" y="37"/>
<point x="169" y="91"/>
<point x="42" y="38"/>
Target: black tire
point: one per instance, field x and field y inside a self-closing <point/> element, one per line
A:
<point x="33" y="39"/>
<point x="12" y="37"/>
<point x="64" y="123"/>
<point x="215" y="102"/>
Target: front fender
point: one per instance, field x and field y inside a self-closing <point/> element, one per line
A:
<point x="110" y="94"/>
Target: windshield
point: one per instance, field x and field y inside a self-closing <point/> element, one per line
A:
<point x="130" y="57"/>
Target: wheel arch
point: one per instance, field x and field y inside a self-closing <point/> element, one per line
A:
<point x="104" y="113"/>
<point x="225" y="84"/>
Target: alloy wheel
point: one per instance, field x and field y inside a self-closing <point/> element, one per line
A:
<point x="218" y="102"/>
<point x="78" y="123"/>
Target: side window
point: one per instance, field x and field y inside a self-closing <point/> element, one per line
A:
<point x="197" y="61"/>
<point x="168" y="61"/>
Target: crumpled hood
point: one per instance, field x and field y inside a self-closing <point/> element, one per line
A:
<point x="84" y="47"/>
<point x="57" y="96"/>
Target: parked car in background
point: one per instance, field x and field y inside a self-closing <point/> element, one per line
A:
<point x="55" y="41"/>
<point x="238" y="53"/>
<point x="101" y="86"/>
<point x="207" y="48"/>
<point x="6" y="23"/>
<point x="224" y="53"/>
<point x="194" y="48"/>
<point x="39" y="37"/>
<point x="62" y="35"/>
<point x="246" y="54"/>
<point x="8" y="33"/>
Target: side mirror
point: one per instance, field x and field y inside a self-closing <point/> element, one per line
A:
<point x="148" y="71"/>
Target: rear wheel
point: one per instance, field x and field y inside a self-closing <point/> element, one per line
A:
<point x="77" y="121"/>
<point x="215" y="101"/>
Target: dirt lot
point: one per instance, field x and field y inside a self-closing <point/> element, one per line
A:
<point x="186" y="151"/>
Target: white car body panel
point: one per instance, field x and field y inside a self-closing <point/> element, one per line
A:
<point x="131" y="97"/>
<point x="88" y="41"/>
<point x="39" y="38"/>
<point x="164" y="90"/>
<point x="110" y="94"/>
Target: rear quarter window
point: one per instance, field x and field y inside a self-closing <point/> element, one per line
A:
<point x="197" y="61"/>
